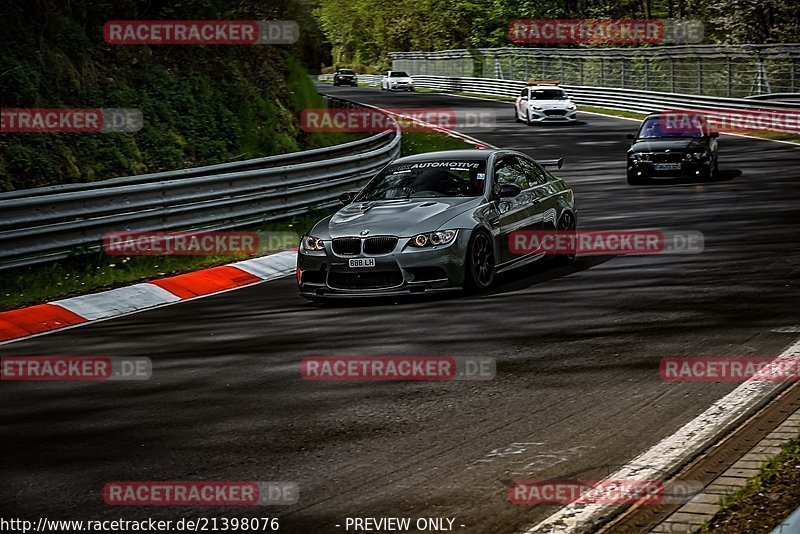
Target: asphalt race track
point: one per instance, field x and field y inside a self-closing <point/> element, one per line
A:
<point x="577" y="391"/>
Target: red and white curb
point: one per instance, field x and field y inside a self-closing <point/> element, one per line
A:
<point x="65" y="313"/>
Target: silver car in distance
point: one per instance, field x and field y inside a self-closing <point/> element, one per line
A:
<point x="433" y="222"/>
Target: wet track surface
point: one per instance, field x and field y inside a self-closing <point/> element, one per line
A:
<point x="577" y="351"/>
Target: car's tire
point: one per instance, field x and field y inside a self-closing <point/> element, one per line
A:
<point x="516" y="115"/>
<point x="528" y="120"/>
<point x="567" y="224"/>
<point x="335" y="84"/>
<point x="714" y="172"/>
<point x="634" y="180"/>
<point x="479" y="263"/>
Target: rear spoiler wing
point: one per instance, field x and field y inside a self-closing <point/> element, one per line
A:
<point x="557" y="163"/>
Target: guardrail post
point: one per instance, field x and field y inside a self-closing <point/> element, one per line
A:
<point x="622" y="73"/>
<point x="580" y="67"/>
<point x="794" y="68"/>
<point x="646" y="74"/>
<point x="730" y="75"/>
<point x="672" y="72"/>
<point x="700" y="75"/>
<point x="602" y="72"/>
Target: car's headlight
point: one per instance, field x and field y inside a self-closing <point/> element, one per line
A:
<point x="311" y="243"/>
<point x="697" y="156"/>
<point x="433" y="239"/>
<point x="572" y="107"/>
<point x="535" y="106"/>
<point x="638" y="156"/>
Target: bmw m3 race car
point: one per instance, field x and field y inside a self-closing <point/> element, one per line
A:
<point x="345" y="77"/>
<point x="397" y="80"/>
<point x="544" y="103"/>
<point x="433" y="222"/>
<point x="666" y="146"/>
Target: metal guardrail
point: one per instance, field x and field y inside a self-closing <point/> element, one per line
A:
<point x="611" y="98"/>
<point x="373" y="80"/>
<point x="732" y="71"/>
<point x="50" y="223"/>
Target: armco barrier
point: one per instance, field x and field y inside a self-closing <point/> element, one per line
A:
<point x="50" y="223"/>
<point x="619" y="99"/>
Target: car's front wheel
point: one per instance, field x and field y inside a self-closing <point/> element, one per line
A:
<point x="528" y="120"/>
<point x="479" y="264"/>
<point x="567" y="225"/>
<point x="634" y="180"/>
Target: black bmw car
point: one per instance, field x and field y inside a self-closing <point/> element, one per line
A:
<point x="672" y="145"/>
<point x="345" y="77"/>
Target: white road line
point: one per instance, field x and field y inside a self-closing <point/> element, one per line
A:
<point x="672" y="452"/>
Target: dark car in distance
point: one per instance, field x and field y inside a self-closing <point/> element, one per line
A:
<point x="345" y="77"/>
<point x="672" y="144"/>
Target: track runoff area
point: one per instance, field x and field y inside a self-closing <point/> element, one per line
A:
<point x="580" y="388"/>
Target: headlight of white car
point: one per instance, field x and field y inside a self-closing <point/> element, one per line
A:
<point x="572" y="107"/>
<point x="535" y="106"/>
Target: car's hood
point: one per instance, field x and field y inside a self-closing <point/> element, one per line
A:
<point x="401" y="217"/>
<point x="403" y="80"/>
<point x="681" y="144"/>
<point x="551" y="104"/>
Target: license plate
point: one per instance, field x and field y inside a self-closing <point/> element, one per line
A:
<point x="361" y="262"/>
<point x="667" y="166"/>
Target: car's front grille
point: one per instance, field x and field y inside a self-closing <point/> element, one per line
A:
<point x="555" y="112"/>
<point x="666" y="157"/>
<point x="365" y="280"/>
<point x="347" y="246"/>
<point x="380" y="244"/>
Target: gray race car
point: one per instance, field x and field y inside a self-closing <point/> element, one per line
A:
<point x="433" y="222"/>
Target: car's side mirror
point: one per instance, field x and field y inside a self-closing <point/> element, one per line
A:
<point x="713" y="134"/>
<point x="347" y="197"/>
<point x="630" y="136"/>
<point x="509" y="190"/>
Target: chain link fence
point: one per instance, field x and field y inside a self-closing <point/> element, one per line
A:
<point x="726" y="71"/>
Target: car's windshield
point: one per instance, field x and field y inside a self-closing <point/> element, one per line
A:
<point x="664" y="126"/>
<point x="548" y="94"/>
<point x="346" y="71"/>
<point x="424" y="179"/>
<point x="398" y="74"/>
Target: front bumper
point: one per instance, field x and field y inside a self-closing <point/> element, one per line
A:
<point x="648" y="169"/>
<point x="346" y="81"/>
<point x="406" y="270"/>
<point x="553" y="115"/>
<point x="401" y="87"/>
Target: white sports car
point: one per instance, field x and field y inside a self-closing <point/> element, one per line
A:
<point x="544" y="103"/>
<point x="397" y="80"/>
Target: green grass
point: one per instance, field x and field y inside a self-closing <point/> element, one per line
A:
<point x="614" y="112"/>
<point x="96" y="271"/>
<point x="421" y="142"/>
<point x="760" y="497"/>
